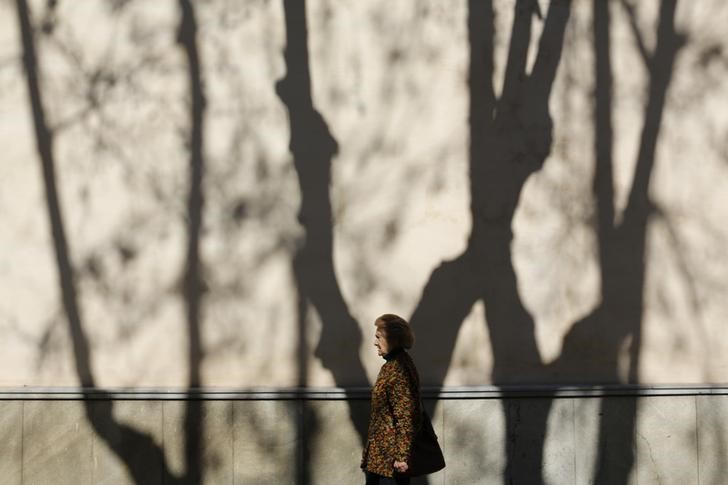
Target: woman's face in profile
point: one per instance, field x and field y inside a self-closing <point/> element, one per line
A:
<point x="380" y="342"/>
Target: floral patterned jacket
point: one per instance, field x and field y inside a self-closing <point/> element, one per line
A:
<point x="395" y="414"/>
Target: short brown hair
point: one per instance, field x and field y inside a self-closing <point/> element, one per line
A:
<point x="396" y="330"/>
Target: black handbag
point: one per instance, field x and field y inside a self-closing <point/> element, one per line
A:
<point x="426" y="455"/>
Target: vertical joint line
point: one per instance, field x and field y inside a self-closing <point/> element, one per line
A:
<point x="93" y="449"/>
<point x="301" y="470"/>
<point x="442" y="406"/>
<point x="573" y="434"/>
<point x="22" y="440"/>
<point x="697" y="439"/>
<point x="164" y="475"/>
<point x="232" y="438"/>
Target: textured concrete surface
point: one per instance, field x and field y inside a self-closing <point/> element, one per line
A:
<point x="559" y="464"/>
<point x="333" y="447"/>
<point x="266" y="441"/>
<point x="586" y="435"/>
<point x="526" y="440"/>
<point x="666" y="441"/>
<point x="391" y="86"/>
<point x="57" y="444"/>
<point x="11" y="441"/>
<point x="651" y="440"/>
<point x="131" y="419"/>
<point x="216" y="443"/>
<point x="712" y="439"/>
<point x="473" y="441"/>
<point x="612" y="453"/>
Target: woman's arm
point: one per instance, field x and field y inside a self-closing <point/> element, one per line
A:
<point x="405" y="409"/>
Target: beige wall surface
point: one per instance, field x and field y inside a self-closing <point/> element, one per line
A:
<point x="530" y="236"/>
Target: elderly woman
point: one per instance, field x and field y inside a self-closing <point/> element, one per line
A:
<point x="395" y="413"/>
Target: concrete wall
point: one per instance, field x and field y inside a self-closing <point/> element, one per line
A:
<point x="680" y="439"/>
<point x="397" y="201"/>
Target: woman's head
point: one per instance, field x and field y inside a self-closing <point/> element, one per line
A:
<point x="393" y="332"/>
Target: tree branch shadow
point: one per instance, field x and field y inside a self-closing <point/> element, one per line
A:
<point x="617" y="321"/>
<point x="142" y="456"/>
<point x="509" y="140"/>
<point x="313" y="147"/>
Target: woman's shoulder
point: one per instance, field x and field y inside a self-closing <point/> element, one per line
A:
<point x="402" y="364"/>
<point x="408" y="368"/>
<point x="403" y="358"/>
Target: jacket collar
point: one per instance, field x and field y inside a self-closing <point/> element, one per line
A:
<point x="394" y="353"/>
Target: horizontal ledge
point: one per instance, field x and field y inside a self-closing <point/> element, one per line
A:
<point x="353" y="393"/>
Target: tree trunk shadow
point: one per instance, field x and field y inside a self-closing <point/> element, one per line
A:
<point x="142" y="456"/>
<point x="510" y="139"/>
<point x="313" y="147"/>
<point x="187" y="38"/>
